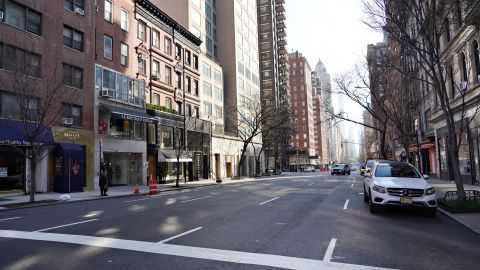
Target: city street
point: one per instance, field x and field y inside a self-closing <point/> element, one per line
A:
<point x="300" y="221"/>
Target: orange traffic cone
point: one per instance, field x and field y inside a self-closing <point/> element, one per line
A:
<point x="137" y="190"/>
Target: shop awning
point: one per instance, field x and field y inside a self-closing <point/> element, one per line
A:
<point x="171" y="156"/>
<point x="128" y="114"/>
<point x="23" y="133"/>
<point x="73" y="150"/>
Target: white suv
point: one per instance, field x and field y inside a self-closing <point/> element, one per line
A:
<point x="392" y="183"/>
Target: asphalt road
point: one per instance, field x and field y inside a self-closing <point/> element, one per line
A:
<point x="304" y="221"/>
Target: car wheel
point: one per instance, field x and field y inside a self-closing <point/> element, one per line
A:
<point x="348" y="173"/>
<point x="373" y="207"/>
<point x="365" y="197"/>
<point x="432" y="212"/>
<point x="332" y="173"/>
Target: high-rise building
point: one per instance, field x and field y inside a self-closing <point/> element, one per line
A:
<point x="274" y="75"/>
<point x="302" y="104"/>
<point x="320" y="119"/>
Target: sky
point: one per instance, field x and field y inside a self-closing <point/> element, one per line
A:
<point x="330" y="30"/>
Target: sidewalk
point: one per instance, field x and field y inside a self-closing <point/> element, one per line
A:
<point x="469" y="220"/>
<point x="12" y="200"/>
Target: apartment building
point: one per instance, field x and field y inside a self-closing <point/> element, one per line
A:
<point x="47" y="46"/>
<point x="302" y="105"/>
<point x="274" y="75"/>
<point x="320" y="119"/>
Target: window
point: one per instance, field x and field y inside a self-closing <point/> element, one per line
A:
<point x="208" y="28"/>
<point x="73" y="4"/>
<point x="168" y="75"/>
<point x="187" y="57"/>
<point x="208" y="11"/>
<point x="178" y="52"/>
<point x="20" y="61"/>
<point x="123" y="54"/>
<point x="207" y="70"/>
<point x="217" y="76"/>
<point x="178" y="80"/>
<point x="142" y="64"/>
<point x="452" y="81"/>
<point x="142" y="31"/>
<point x="124" y="19"/>
<point x="195" y="87"/>
<point x="196" y="112"/>
<point x="464" y="67"/>
<point x="476" y="60"/>
<point x="207" y="89"/>
<point x="108" y="11"/>
<point x="189" y="110"/>
<point x="72" y="76"/>
<point x="207" y="108"/>
<point x="168" y="103"/>
<point x="155" y="38"/>
<point x="209" y="44"/>
<point x="155" y="66"/>
<point x="72" y="38"/>
<point x="195" y="62"/>
<point x="218" y="111"/>
<point x="218" y="94"/>
<point x="107" y="47"/>
<point x="74" y="112"/>
<point x="9" y="107"/>
<point x="22" y="17"/>
<point x="188" y="87"/>
<point x="156" y="99"/>
<point x="196" y="17"/>
<point x="427" y="118"/>
<point x="168" y="46"/>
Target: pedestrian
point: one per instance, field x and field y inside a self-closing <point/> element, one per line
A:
<point x="103" y="182"/>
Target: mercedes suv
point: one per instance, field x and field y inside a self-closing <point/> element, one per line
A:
<point x="393" y="183"/>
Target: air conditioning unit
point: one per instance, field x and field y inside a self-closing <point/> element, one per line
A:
<point x="67" y="121"/>
<point x="154" y="77"/>
<point x="1" y="15"/>
<point x="463" y="86"/>
<point x="106" y="93"/>
<point x="79" y="11"/>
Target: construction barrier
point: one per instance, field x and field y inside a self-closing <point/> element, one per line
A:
<point x="153" y="187"/>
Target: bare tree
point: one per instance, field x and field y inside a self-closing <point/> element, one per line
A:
<point x="36" y="106"/>
<point x="250" y="119"/>
<point x="180" y="150"/>
<point x="424" y="27"/>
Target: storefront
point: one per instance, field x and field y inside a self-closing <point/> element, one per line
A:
<point x="123" y="144"/>
<point x="14" y="166"/>
<point x="69" y="168"/>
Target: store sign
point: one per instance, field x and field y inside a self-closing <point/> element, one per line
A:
<point x="71" y="135"/>
<point x="3" y="171"/>
<point x="136" y="118"/>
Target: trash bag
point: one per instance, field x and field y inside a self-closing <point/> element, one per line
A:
<point x="65" y="197"/>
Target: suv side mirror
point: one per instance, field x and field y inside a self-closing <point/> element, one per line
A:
<point x="426" y="176"/>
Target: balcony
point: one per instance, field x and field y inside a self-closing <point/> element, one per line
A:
<point x="284" y="75"/>
<point x="282" y="50"/>
<point x="281" y="33"/>
<point x="281" y="25"/>
<point x="472" y="11"/>
<point x="279" y="3"/>
<point x="282" y="42"/>
<point x="280" y="16"/>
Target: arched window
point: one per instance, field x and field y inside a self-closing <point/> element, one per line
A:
<point x="189" y="110"/>
<point x="168" y="103"/>
<point x="476" y="60"/>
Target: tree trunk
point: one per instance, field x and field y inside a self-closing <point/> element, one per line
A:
<point x="240" y="163"/>
<point x="383" y="150"/>
<point x="178" y="172"/>
<point x="33" y="166"/>
<point x="453" y="152"/>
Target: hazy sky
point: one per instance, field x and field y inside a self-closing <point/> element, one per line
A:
<point x="330" y="30"/>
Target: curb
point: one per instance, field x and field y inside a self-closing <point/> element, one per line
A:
<point x="467" y="225"/>
<point x="3" y="208"/>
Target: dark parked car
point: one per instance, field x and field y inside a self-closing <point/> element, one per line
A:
<point x="340" y="169"/>
<point x="11" y="182"/>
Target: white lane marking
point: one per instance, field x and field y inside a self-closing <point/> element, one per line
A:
<point x="329" y="252"/>
<point x="179" y="235"/>
<point x="5" y="219"/>
<point x="66" y="225"/>
<point x="196" y="199"/>
<point x="268" y="201"/>
<point x="346" y="204"/>
<point x="143" y="199"/>
<point x="283" y="262"/>
<point x="355" y="177"/>
<point x="311" y="184"/>
<point x="361" y="193"/>
<point x="351" y="185"/>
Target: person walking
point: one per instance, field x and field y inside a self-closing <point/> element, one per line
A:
<point x="103" y="182"/>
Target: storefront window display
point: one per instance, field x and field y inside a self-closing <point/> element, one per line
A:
<point x="124" y="168"/>
<point x="121" y="128"/>
<point x="464" y="155"/>
<point x="12" y="167"/>
<point x="166" y="137"/>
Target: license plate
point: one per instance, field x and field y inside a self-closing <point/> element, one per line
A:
<point x="406" y="200"/>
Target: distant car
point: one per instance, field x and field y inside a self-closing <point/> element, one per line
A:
<point x="309" y="168"/>
<point x="340" y="168"/>
<point x="394" y="183"/>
